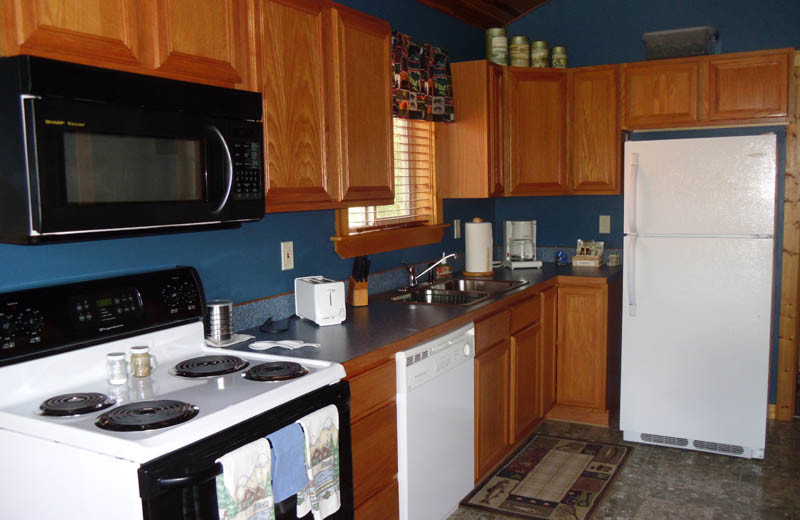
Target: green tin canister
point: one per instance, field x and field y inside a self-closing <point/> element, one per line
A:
<point x="497" y="45"/>
<point x="558" y="55"/>
<point x="540" y="54"/>
<point x="519" y="51"/>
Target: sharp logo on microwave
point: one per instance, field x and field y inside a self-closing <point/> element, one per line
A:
<point x="58" y="122"/>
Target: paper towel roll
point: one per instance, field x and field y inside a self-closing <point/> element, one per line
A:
<point x="478" y="236"/>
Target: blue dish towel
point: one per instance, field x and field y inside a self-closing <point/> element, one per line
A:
<point x="288" y="463"/>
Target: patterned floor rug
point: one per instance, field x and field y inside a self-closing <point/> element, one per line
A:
<point x="552" y="478"/>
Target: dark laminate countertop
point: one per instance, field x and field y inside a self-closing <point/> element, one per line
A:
<point x="372" y="334"/>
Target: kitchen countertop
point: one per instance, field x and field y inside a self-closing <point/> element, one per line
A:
<point x="358" y="342"/>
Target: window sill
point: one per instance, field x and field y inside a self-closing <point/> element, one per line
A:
<point x="390" y="240"/>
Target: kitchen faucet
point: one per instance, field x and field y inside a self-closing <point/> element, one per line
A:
<point x="412" y="269"/>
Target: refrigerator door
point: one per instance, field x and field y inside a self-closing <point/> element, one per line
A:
<point x="709" y="186"/>
<point x="695" y="354"/>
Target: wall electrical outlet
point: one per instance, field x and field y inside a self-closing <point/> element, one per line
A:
<point x="605" y="223"/>
<point x="287" y="256"/>
<point x="457" y="228"/>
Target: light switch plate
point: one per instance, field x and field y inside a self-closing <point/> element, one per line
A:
<point x="287" y="256"/>
<point x="457" y="228"/>
<point x="605" y="223"/>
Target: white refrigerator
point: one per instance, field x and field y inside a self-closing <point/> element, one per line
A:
<point x="699" y="223"/>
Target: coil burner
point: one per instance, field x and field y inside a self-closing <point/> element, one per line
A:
<point x="275" y="371"/>
<point x="75" y="404"/>
<point x="146" y="415"/>
<point x="209" y="366"/>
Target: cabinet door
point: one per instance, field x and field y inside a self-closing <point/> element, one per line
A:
<point x="491" y="407"/>
<point x="547" y="361"/>
<point x="535" y="111"/>
<point x="748" y="87"/>
<point x="96" y="32"/>
<point x="496" y="130"/>
<point x="582" y="346"/>
<point x="594" y="137"/>
<point x="661" y="94"/>
<point x="361" y="148"/>
<point x="201" y="40"/>
<point x="292" y="81"/>
<point x="525" y="355"/>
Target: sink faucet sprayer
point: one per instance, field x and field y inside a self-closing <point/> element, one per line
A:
<point x="412" y="270"/>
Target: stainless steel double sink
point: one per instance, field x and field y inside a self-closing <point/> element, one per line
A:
<point x="458" y="291"/>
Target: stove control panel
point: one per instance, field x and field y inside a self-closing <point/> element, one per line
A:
<point x="47" y="320"/>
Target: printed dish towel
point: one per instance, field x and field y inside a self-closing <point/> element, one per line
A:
<point x="289" y="475"/>
<point x="244" y="490"/>
<point x="321" y="496"/>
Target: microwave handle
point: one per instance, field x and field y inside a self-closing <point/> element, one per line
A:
<point x="228" y="168"/>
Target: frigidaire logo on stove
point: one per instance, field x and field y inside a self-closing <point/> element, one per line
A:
<point x="112" y="327"/>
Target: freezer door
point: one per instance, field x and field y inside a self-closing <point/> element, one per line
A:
<point x="708" y="186"/>
<point x="695" y="352"/>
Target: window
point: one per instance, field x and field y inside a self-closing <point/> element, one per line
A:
<point x="411" y="220"/>
<point x="413" y="182"/>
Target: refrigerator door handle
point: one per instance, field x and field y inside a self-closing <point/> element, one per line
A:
<point x="630" y="268"/>
<point x="630" y="194"/>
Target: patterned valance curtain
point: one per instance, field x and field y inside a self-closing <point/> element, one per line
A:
<point x="421" y="81"/>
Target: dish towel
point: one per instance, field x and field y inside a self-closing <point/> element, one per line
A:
<point x="244" y="490"/>
<point x="289" y="475"/>
<point x="321" y="432"/>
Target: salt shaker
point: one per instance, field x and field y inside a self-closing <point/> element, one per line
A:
<point x="116" y="368"/>
<point x="142" y="362"/>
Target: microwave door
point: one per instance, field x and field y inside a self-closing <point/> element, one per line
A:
<point x="102" y="167"/>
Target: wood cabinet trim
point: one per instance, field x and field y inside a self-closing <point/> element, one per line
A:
<point x="525" y="313"/>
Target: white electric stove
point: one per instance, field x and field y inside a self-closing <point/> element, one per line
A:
<point x="164" y="454"/>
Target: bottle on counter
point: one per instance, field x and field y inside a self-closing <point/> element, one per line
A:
<point x="116" y="368"/>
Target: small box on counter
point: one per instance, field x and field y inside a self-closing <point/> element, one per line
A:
<point x="358" y="293"/>
<point x="588" y="254"/>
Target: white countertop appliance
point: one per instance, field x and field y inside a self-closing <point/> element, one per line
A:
<point x="138" y="450"/>
<point x="435" y="424"/>
<point x="697" y="292"/>
<point x="320" y="300"/>
<point x="520" y="244"/>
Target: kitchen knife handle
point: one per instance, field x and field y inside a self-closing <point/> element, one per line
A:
<point x="630" y="268"/>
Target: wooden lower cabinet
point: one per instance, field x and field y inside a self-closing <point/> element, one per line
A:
<point x="549" y="314"/>
<point x="374" y="440"/>
<point x="492" y="376"/>
<point x="588" y="343"/>
<point x="525" y="364"/>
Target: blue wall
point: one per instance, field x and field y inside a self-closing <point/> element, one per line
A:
<point x="244" y="264"/>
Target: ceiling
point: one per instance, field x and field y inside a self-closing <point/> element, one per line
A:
<point x="485" y="13"/>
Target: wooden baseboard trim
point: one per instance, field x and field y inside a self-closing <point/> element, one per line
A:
<point x="771" y="411"/>
<point x="580" y="415"/>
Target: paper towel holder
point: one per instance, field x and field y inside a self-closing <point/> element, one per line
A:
<point x="478" y="254"/>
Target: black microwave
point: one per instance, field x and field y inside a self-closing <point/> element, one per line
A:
<point x="88" y="152"/>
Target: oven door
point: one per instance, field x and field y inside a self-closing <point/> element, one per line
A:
<point x="182" y="484"/>
<point x="99" y="167"/>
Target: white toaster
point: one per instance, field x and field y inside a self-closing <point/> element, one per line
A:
<point x="320" y="300"/>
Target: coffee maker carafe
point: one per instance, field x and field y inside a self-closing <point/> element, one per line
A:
<point x="520" y="244"/>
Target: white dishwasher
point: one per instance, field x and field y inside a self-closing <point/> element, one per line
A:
<point x="435" y="424"/>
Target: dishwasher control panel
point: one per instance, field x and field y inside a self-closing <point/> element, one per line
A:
<point x="435" y="357"/>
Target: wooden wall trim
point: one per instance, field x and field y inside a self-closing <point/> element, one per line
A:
<point x="789" y="328"/>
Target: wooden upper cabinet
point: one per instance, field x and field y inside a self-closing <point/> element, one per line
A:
<point x="594" y="134"/>
<point x="292" y="79"/>
<point x="359" y="86"/>
<point x="469" y="152"/>
<point x="659" y="94"/>
<point x="752" y="86"/>
<point x="536" y="137"/>
<point x="95" y="32"/>
<point x="203" y="40"/>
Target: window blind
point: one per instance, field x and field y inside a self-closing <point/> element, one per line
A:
<point x="413" y="182"/>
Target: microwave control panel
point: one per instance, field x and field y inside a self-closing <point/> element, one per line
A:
<point x="48" y="320"/>
<point x="247" y="177"/>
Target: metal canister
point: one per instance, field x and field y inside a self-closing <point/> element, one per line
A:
<point x="519" y="51"/>
<point x="497" y="45"/>
<point x="540" y="54"/>
<point x="558" y="55"/>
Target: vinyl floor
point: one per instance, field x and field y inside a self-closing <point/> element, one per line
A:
<point x="671" y="484"/>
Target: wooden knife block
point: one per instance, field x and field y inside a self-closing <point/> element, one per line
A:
<point x="357" y="293"/>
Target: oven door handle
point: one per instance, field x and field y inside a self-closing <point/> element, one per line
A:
<point x="191" y="479"/>
<point x="228" y="168"/>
